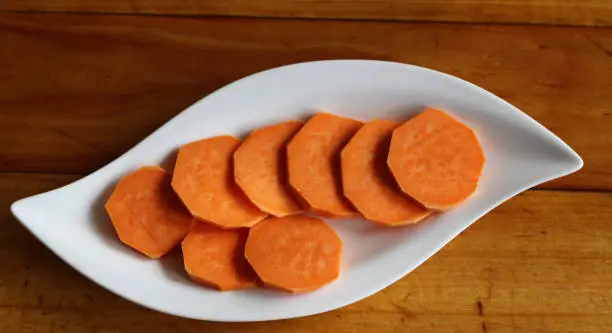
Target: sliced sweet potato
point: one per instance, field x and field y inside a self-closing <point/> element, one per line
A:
<point x="260" y="168"/>
<point x="203" y="179"/>
<point x="294" y="253"/>
<point x="215" y="257"/>
<point x="313" y="163"/>
<point x="367" y="182"/>
<point x="146" y="213"/>
<point x="436" y="159"/>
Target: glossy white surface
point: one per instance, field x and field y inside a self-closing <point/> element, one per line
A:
<point x="520" y="154"/>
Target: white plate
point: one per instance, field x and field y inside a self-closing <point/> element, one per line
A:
<point x="520" y="154"/>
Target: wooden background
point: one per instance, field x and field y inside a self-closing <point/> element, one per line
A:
<point x="81" y="81"/>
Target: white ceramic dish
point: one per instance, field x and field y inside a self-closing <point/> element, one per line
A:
<point x="520" y="154"/>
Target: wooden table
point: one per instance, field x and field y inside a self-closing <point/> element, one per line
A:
<point x="81" y="81"/>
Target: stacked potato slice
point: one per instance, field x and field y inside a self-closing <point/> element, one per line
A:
<point x="242" y="218"/>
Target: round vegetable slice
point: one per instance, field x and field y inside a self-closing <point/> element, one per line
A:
<point x="215" y="257"/>
<point x="436" y="159"/>
<point x="260" y="168"/>
<point x="294" y="253"/>
<point x="146" y="213"/>
<point x="367" y="182"/>
<point x="313" y="163"/>
<point x="203" y="179"/>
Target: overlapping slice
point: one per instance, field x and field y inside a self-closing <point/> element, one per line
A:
<point x="203" y="179"/>
<point x="313" y="161"/>
<point x="390" y="173"/>
<point x="146" y="213"/>
<point x="436" y="159"/>
<point x="215" y="257"/>
<point x="260" y="168"/>
<point x="367" y="182"/>
<point x="294" y="253"/>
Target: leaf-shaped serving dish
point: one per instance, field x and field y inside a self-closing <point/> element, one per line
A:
<point x="520" y="154"/>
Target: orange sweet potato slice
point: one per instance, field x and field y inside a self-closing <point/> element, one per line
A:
<point x="215" y="257"/>
<point x="367" y="182"/>
<point x="436" y="159"/>
<point x="313" y="163"/>
<point x="203" y="179"/>
<point x="260" y="169"/>
<point x="146" y="213"/>
<point x="294" y="253"/>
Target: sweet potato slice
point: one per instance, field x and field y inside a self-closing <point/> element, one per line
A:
<point x="146" y="213"/>
<point x="215" y="257"/>
<point x="294" y="253"/>
<point x="203" y="179"/>
<point x="313" y="163"/>
<point x="436" y="159"/>
<point x="367" y="182"/>
<point x="260" y="168"/>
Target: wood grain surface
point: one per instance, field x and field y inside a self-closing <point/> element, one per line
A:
<point x="566" y="12"/>
<point x="78" y="91"/>
<point x="539" y="263"/>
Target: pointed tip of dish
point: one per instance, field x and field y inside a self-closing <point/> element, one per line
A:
<point x="577" y="160"/>
<point x="17" y="207"/>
